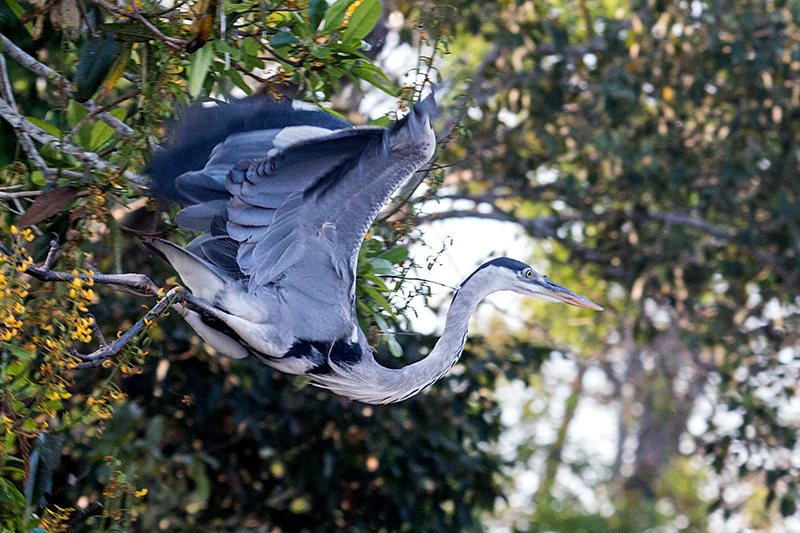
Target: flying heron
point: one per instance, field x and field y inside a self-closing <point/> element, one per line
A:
<point x="284" y="198"/>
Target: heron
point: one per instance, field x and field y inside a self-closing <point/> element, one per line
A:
<point x="283" y="194"/>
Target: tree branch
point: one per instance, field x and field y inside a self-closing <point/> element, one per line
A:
<point x="134" y="281"/>
<point x="63" y="84"/>
<point x="43" y="273"/>
<point x="135" y="13"/>
<point x="106" y="351"/>
<point x="90" y="159"/>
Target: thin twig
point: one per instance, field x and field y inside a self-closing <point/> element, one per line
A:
<point x="19" y="194"/>
<point x="91" y="159"/>
<point x="136" y="14"/>
<point x="63" y="84"/>
<point x="259" y="79"/>
<point x="99" y="110"/>
<point x="52" y="253"/>
<point x="24" y="138"/>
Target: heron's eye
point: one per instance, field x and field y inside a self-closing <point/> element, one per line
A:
<point x="528" y="273"/>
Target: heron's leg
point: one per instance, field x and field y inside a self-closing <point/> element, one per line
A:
<point x="203" y="305"/>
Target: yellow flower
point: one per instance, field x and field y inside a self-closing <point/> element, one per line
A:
<point x="140" y="493"/>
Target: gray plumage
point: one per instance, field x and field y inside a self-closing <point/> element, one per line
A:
<point x="285" y="197"/>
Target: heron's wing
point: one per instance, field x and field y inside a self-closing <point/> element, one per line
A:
<point x="216" y="139"/>
<point x="202" y="129"/>
<point x="295" y="203"/>
<point x="276" y="214"/>
<point x="312" y="237"/>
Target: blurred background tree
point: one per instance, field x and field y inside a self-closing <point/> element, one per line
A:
<point x="648" y="147"/>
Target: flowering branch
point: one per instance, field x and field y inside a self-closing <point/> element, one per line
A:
<point x="77" y="280"/>
<point x="109" y="350"/>
<point x="138" y="282"/>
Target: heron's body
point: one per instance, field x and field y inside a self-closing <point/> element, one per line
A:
<point x="284" y="201"/>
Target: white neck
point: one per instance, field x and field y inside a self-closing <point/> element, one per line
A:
<point x="372" y="382"/>
<point x="413" y="378"/>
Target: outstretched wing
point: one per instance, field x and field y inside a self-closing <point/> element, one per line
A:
<point x="291" y="205"/>
<point x="250" y="127"/>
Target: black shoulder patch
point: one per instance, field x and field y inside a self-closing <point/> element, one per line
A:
<point x="322" y="354"/>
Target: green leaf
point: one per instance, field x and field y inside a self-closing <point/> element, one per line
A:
<point x="316" y="12"/>
<point x="335" y="15"/>
<point x="18" y="352"/>
<point x="199" y="64"/>
<point x="101" y="131"/>
<point x="15" y="8"/>
<point x="18" y="11"/>
<point x="397" y="255"/>
<point x="375" y="76"/>
<point x="380" y="300"/>
<point x="368" y="275"/>
<point x="251" y="46"/>
<point x="15" y="368"/>
<point x="75" y="113"/>
<point x="9" y="495"/>
<point x="394" y="347"/>
<point x="198" y="499"/>
<point x="222" y="47"/>
<point x="364" y="18"/>
<point x="96" y="61"/>
<point x="284" y="38"/>
<point x="38" y="178"/>
<point x="320" y="51"/>
<point x="382" y="267"/>
<point x="236" y="79"/>
<point x="383" y="122"/>
<point x="49" y="128"/>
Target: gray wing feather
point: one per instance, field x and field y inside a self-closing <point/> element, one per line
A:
<point x="221" y="251"/>
<point x="201" y="186"/>
<point x="346" y="178"/>
<point x="199" y="217"/>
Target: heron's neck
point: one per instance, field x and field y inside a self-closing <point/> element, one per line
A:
<point x="448" y="349"/>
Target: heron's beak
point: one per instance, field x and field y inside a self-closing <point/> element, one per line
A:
<point x="547" y="290"/>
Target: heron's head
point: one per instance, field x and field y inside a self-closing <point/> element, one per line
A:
<point x="512" y="275"/>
